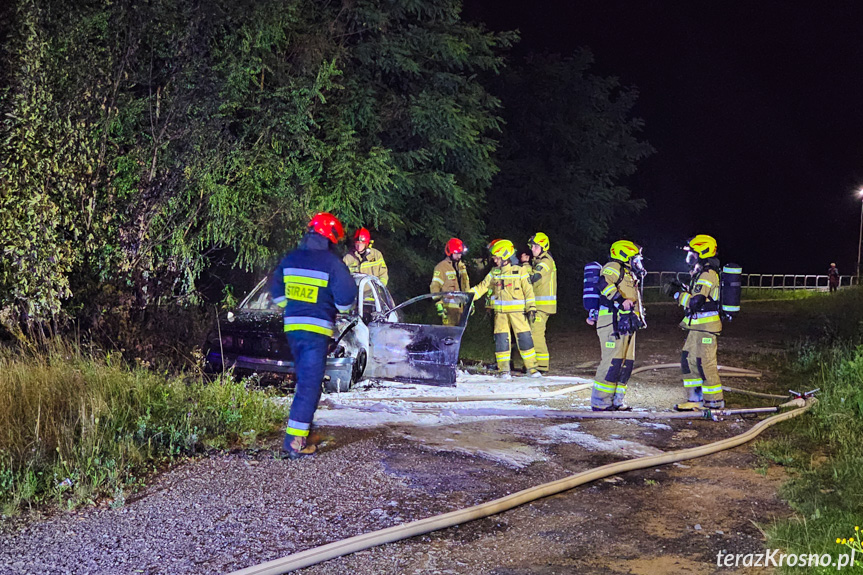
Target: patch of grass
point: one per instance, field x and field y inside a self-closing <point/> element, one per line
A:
<point x="823" y="451"/>
<point x="759" y="294"/>
<point x="477" y="343"/>
<point x="781" y="451"/>
<point x="78" y="427"/>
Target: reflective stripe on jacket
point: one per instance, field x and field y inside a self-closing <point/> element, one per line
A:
<point x="706" y="284"/>
<point x="312" y="284"/>
<point x="545" y="288"/>
<point x="450" y="275"/>
<point x="511" y="289"/>
<point x="370" y="262"/>
<point x="615" y="286"/>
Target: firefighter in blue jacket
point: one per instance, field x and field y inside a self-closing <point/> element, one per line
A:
<point x="312" y="284"/>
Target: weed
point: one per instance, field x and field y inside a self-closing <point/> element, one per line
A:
<point x="79" y="427"/>
<point x="823" y="451"/>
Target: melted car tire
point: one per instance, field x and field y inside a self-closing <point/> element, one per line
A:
<point x="359" y="367"/>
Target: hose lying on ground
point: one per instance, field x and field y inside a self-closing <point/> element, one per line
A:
<point x="714" y="414"/>
<point x="422" y="526"/>
<point x="733" y="371"/>
<point x="487" y="397"/>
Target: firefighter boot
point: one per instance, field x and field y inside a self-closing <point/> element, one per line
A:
<point x="294" y="447"/>
<point x="689" y="406"/>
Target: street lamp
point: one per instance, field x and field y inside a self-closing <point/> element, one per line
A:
<point x="860" y="243"/>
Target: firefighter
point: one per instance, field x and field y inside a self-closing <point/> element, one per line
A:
<point x="544" y="280"/>
<point x="620" y="316"/>
<point x="700" y="301"/>
<point x="364" y="259"/>
<point x="450" y="275"/>
<point x="311" y="283"/>
<point x="514" y="307"/>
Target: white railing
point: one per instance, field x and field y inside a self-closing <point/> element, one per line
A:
<point x="655" y="280"/>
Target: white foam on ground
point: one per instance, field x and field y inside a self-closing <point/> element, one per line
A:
<point x="360" y="406"/>
<point x="567" y="433"/>
<point x="466" y="384"/>
<point x="363" y="408"/>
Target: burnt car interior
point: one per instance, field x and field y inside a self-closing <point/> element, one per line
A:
<point x="374" y="341"/>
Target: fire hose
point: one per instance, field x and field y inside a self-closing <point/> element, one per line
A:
<point x="732" y="371"/>
<point x="422" y="526"/>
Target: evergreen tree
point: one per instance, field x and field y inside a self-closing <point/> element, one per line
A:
<point x="569" y="141"/>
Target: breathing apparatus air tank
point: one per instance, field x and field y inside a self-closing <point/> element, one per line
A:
<point x="730" y="289"/>
<point x="590" y="295"/>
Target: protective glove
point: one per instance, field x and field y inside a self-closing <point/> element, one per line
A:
<point x="531" y="316"/>
<point x="628" y="323"/>
<point x="440" y="310"/>
<point x="672" y="287"/>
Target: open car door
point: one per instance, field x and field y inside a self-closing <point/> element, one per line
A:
<point x="416" y="352"/>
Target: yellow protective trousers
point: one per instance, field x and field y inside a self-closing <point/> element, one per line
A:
<point x="615" y="367"/>
<point x="698" y="365"/>
<point x="453" y="315"/>
<point x="537" y="331"/>
<point x="503" y="323"/>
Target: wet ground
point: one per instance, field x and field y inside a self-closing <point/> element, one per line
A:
<point x="232" y="511"/>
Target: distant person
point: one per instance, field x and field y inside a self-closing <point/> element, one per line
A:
<point x="364" y="259"/>
<point x="833" y="277"/>
<point x="543" y="277"/>
<point x="450" y="275"/>
<point x="514" y="307"/>
<point x="311" y="284"/>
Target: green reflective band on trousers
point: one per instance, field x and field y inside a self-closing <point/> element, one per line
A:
<point x="537" y="330"/>
<point x="504" y="325"/>
<point x="603" y="387"/>
<point x="700" y="353"/>
<point x="609" y="381"/>
<point x="703" y="318"/>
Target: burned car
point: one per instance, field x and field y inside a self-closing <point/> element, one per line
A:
<point x="374" y="341"/>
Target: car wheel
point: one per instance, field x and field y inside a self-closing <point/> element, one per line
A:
<point x="359" y="367"/>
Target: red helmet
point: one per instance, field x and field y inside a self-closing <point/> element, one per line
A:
<point x="363" y="235"/>
<point x="454" y="246"/>
<point x="328" y="226"/>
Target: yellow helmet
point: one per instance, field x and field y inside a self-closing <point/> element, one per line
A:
<point x="502" y="249"/>
<point x="624" y="250"/>
<point x="541" y="240"/>
<point x="703" y="245"/>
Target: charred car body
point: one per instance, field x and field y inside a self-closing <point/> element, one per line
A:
<point x="374" y="341"/>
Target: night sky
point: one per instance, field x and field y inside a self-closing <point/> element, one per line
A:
<point x="755" y="109"/>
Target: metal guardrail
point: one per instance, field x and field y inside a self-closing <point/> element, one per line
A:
<point x="654" y="280"/>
